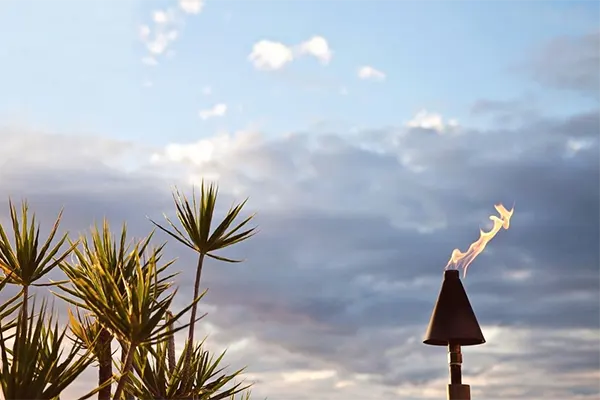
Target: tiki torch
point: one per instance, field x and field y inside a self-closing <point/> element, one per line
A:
<point x="453" y="322"/>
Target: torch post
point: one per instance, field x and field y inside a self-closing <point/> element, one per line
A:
<point x="456" y="389"/>
<point x="455" y="363"/>
<point x="453" y="324"/>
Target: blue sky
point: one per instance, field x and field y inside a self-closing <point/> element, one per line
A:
<point x="76" y="65"/>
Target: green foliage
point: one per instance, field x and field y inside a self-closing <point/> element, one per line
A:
<point x="133" y="315"/>
<point x="196" y="219"/>
<point x="7" y="309"/>
<point x="120" y="291"/>
<point x="117" y="259"/>
<point x="86" y="331"/>
<point x="25" y="262"/>
<point x="36" y="366"/>
<point x="157" y="381"/>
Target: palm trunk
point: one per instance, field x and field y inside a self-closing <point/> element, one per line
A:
<point x="128" y="363"/>
<point x="192" y="326"/>
<point x="188" y="354"/>
<point x="124" y="353"/>
<point x="105" y="361"/>
<point x="171" y="343"/>
<point x="24" y="309"/>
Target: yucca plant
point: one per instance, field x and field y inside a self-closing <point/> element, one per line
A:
<point x="134" y="317"/>
<point x="91" y="336"/>
<point x="196" y="219"/>
<point x="157" y="381"/>
<point x="86" y="331"/>
<point x="8" y="308"/>
<point x="36" y="366"/>
<point x="211" y="379"/>
<point x="117" y="257"/>
<point x="26" y="262"/>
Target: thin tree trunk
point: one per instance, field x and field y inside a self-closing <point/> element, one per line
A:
<point x="125" y="372"/>
<point x="105" y="361"/>
<point x="171" y="343"/>
<point x="24" y="307"/>
<point x="188" y="354"/>
<point x="124" y="353"/>
<point x="192" y="326"/>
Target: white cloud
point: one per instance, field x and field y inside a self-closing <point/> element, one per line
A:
<point x="367" y="72"/>
<point x="158" y="45"/>
<point x="161" y="17"/>
<point x="431" y="120"/>
<point x="219" y="147"/>
<point x="196" y="153"/>
<point x="191" y="6"/>
<point x="303" y="376"/>
<point x="318" y="47"/>
<point x="218" y="110"/>
<point x="161" y="42"/>
<point x="269" y="55"/>
<point x="165" y="28"/>
<point x="158" y="36"/>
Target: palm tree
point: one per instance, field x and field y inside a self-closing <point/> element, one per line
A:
<point x="91" y="336"/>
<point x="36" y="367"/>
<point x="134" y="318"/>
<point x="196" y="220"/>
<point x="115" y="256"/>
<point x="110" y="276"/>
<point x="25" y="263"/>
<point x="158" y="381"/>
<point x="35" y="339"/>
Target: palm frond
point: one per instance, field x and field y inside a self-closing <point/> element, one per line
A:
<point x="38" y="366"/>
<point x="154" y="379"/>
<point x="8" y="307"/>
<point x="196" y="217"/>
<point x="26" y="262"/>
<point x="212" y="378"/>
<point x="87" y="332"/>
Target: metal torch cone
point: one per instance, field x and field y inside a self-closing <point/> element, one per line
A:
<point x="453" y="324"/>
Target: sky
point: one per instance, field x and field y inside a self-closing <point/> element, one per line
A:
<point x="371" y="137"/>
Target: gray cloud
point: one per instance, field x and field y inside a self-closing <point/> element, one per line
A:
<point x="355" y="232"/>
<point x="508" y="113"/>
<point x="570" y="63"/>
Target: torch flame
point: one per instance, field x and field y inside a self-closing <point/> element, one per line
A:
<point x="463" y="260"/>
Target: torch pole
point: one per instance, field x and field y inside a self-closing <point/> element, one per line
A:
<point x="456" y="389"/>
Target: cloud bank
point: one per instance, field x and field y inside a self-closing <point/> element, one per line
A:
<point x="355" y="231"/>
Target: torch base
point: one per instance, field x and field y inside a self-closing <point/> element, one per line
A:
<point x="459" y="392"/>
